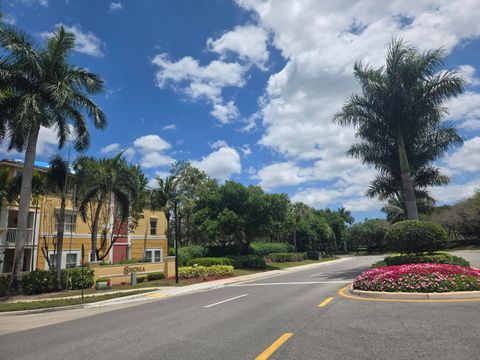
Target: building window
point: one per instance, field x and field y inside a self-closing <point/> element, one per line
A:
<point x="70" y="223"/>
<point x="71" y="261"/>
<point x="153" y="226"/>
<point x="53" y="260"/>
<point x="148" y="256"/>
<point x="153" y="255"/>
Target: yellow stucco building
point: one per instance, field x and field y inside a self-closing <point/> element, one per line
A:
<point x="147" y="241"/>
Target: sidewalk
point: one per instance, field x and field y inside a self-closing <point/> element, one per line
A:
<point x="167" y="292"/>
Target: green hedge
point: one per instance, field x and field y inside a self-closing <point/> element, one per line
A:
<point x="286" y="257"/>
<point x="75" y="278"/>
<point x="440" y="258"/>
<point x="204" y="272"/>
<point x="263" y="249"/>
<point x="44" y="281"/>
<point x="4" y="282"/>
<point x="155" y="276"/>
<point x="189" y="252"/>
<point x="416" y="237"/>
<point x="313" y="255"/>
<point x="210" y="261"/>
<point x="248" y="261"/>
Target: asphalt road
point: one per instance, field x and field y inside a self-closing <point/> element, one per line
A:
<point x="243" y="320"/>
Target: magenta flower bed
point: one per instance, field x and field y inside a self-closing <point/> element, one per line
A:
<point x="419" y="278"/>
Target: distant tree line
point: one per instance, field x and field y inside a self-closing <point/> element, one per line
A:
<point x="202" y="211"/>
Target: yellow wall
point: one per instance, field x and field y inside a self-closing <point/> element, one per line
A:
<point x="144" y="224"/>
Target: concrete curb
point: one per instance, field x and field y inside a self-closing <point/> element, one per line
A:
<point x="458" y="295"/>
<point x="44" y="310"/>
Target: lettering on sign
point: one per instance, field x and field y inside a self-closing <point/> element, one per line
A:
<point x="131" y="269"/>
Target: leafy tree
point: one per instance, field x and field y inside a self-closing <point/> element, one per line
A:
<point x="399" y="117"/>
<point x="40" y="88"/>
<point x="461" y="220"/>
<point x="189" y="182"/>
<point x="369" y="233"/>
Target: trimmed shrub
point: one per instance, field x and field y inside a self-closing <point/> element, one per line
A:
<point x="248" y="261"/>
<point x="38" y="282"/>
<point x="4" y="282"/>
<point x="155" y="276"/>
<point x="221" y="251"/>
<point x="440" y="258"/>
<point x="423" y="278"/>
<point x="141" y="279"/>
<point x="313" y="255"/>
<point x="75" y="277"/>
<point x="45" y="281"/>
<point x="416" y="237"/>
<point x="189" y="252"/>
<point x="286" y="257"/>
<point x="204" y="272"/>
<point x="209" y="261"/>
<point x="263" y="249"/>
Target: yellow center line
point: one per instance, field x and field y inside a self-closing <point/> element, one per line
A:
<point x="274" y="347"/>
<point x="325" y="302"/>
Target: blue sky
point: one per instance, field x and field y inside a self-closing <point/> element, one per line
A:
<point x="246" y="89"/>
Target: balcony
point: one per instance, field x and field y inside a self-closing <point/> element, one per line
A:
<point x="12" y="235"/>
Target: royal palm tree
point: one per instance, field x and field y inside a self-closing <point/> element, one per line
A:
<point x="40" y="88"/>
<point x="399" y="117"/>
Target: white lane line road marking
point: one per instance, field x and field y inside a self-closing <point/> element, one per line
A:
<point x="294" y="283"/>
<point x="315" y="275"/>
<point x="224" y="301"/>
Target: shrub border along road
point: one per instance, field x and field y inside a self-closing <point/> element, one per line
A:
<point x="460" y="296"/>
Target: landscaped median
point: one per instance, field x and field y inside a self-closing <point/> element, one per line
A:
<point x="418" y="282"/>
<point x="419" y="273"/>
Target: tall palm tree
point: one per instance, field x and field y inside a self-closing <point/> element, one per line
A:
<point x="40" y="88"/>
<point x="346" y="215"/>
<point x="163" y="197"/>
<point x="399" y="115"/>
<point x="97" y="181"/>
<point x="56" y="182"/>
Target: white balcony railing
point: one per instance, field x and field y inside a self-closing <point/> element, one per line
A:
<point x="12" y="235"/>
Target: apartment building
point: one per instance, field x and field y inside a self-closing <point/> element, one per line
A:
<point x="147" y="241"/>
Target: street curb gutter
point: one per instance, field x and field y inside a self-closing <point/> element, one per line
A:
<point x="44" y="310"/>
<point x="459" y="295"/>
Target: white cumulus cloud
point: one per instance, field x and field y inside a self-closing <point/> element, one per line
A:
<point x="221" y="164"/>
<point x="248" y="42"/>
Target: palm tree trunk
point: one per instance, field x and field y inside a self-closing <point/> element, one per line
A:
<point x="407" y="183"/>
<point x="96" y="219"/>
<point x="60" y="232"/>
<point x="15" y="285"/>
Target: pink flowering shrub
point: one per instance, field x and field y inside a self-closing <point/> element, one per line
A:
<point x="419" y="278"/>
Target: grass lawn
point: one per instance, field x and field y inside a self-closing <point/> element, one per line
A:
<point x="42" y="304"/>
